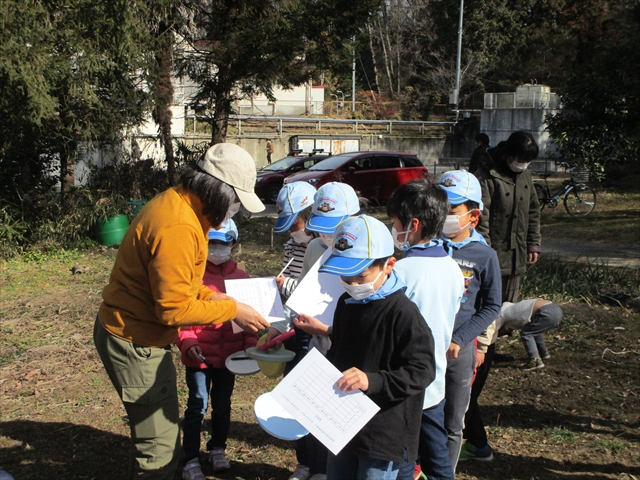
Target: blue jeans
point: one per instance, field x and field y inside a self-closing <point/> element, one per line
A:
<point x="434" y="454"/>
<point x="348" y="465"/>
<point x="433" y="451"/>
<point x="219" y="382"/>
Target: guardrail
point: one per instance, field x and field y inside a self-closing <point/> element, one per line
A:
<point x="317" y="123"/>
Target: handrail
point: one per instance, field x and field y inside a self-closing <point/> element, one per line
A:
<point x="347" y="121"/>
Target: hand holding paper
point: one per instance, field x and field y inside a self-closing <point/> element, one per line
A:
<point x="249" y="319"/>
<point x="261" y="302"/>
<point x="353" y="379"/>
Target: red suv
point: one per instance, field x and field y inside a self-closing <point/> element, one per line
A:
<point x="271" y="177"/>
<point x="374" y="175"/>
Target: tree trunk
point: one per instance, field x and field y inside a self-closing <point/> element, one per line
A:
<point x="67" y="178"/>
<point x="163" y="94"/>
<point x="386" y="60"/>
<point x="221" y="114"/>
<point x="373" y="57"/>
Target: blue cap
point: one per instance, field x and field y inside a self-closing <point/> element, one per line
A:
<point x="461" y="186"/>
<point x="333" y="203"/>
<point x="292" y="199"/>
<point x="228" y="232"/>
<point x="358" y="242"/>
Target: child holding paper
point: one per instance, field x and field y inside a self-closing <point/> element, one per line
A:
<point x="382" y="345"/>
<point x="211" y="378"/>
<point x="333" y="203"/>
<point x="294" y="209"/>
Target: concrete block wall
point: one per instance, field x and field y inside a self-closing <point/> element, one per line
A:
<point x="499" y="123"/>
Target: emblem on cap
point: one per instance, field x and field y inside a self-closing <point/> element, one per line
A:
<point x="342" y="245"/>
<point x="447" y="182"/>
<point x="325" y="208"/>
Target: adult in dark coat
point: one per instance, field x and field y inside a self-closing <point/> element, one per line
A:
<point x="510" y="221"/>
<point x="478" y="155"/>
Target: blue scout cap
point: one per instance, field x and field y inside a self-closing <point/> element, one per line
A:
<point x="359" y="241"/>
<point x="227" y="233"/>
<point x="461" y="186"/>
<point x="292" y="199"/>
<point x="333" y="203"/>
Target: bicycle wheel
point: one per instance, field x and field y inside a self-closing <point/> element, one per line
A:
<point x="580" y="200"/>
<point x="541" y="193"/>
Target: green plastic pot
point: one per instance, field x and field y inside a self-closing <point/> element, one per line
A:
<point x="111" y="232"/>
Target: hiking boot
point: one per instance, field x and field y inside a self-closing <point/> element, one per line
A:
<point x="193" y="471"/>
<point x="218" y="459"/>
<point x="301" y="472"/>
<point x="471" y="452"/>
<point x="533" y="364"/>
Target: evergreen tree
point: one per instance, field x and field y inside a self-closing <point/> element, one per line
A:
<point x="599" y="124"/>
<point x="242" y="48"/>
<point x="70" y="73"/>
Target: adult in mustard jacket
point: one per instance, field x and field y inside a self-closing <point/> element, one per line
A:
<point x="155" y="288"/>
<point x="510" y="221"/>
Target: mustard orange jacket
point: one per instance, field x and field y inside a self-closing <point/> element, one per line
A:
<point x="156" y="283"/>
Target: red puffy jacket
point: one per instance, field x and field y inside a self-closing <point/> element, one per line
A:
<point x="217" y="342"/>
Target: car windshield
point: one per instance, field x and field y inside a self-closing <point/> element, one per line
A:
<point x="282" y="164"/>
<point x="333" y="162"/>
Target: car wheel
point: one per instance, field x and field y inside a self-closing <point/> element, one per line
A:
<point x="271" y="194"/>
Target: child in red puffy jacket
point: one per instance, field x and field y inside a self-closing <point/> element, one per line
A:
<point x="215" y="343"/>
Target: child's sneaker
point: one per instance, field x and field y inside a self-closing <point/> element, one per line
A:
<point x="418" y="474"/>
<point x="193" y="471"/>
<point x="301" y="472"/>
<point x="471" y="452"/>
<point x="218" y="459"/>
<point x="533" y="364"/>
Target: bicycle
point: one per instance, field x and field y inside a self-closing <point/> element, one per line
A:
<point x="579" y="199"/>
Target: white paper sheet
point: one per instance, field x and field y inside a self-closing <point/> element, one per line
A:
<point x="260" y="293"/>
<point x="309" y="394"/>
<point x="317" y="293"/>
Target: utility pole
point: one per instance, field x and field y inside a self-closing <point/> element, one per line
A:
<point x="353" y="77"/>
<point x="455" y="95"/>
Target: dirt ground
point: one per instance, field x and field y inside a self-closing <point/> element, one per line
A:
<point x="579" y="417"/>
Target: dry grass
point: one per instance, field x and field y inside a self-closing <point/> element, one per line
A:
<point x="60" y="417"/>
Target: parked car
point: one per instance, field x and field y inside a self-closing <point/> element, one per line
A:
<point x="374" y="175"/>
<point x="271" y="177"/>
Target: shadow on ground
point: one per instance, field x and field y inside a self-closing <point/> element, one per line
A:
<point x="523" y="467"/>
<point x="68" y="451"/>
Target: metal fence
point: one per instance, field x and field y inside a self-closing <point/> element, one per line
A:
<point x="245" y="125"/>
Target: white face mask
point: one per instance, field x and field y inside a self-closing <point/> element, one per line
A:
<point x="518" y="167"/>
<point x="327" y="239"/>
<point x="300" y="236"/>
<point x="452" y="226"/>
<point x="218" y="253"/>
<point x="362" y="290"/>
<point x="404" y="245"/>
<point x="233" y="209"/>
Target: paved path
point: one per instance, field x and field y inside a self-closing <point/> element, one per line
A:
<point x="613" y="256"/>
